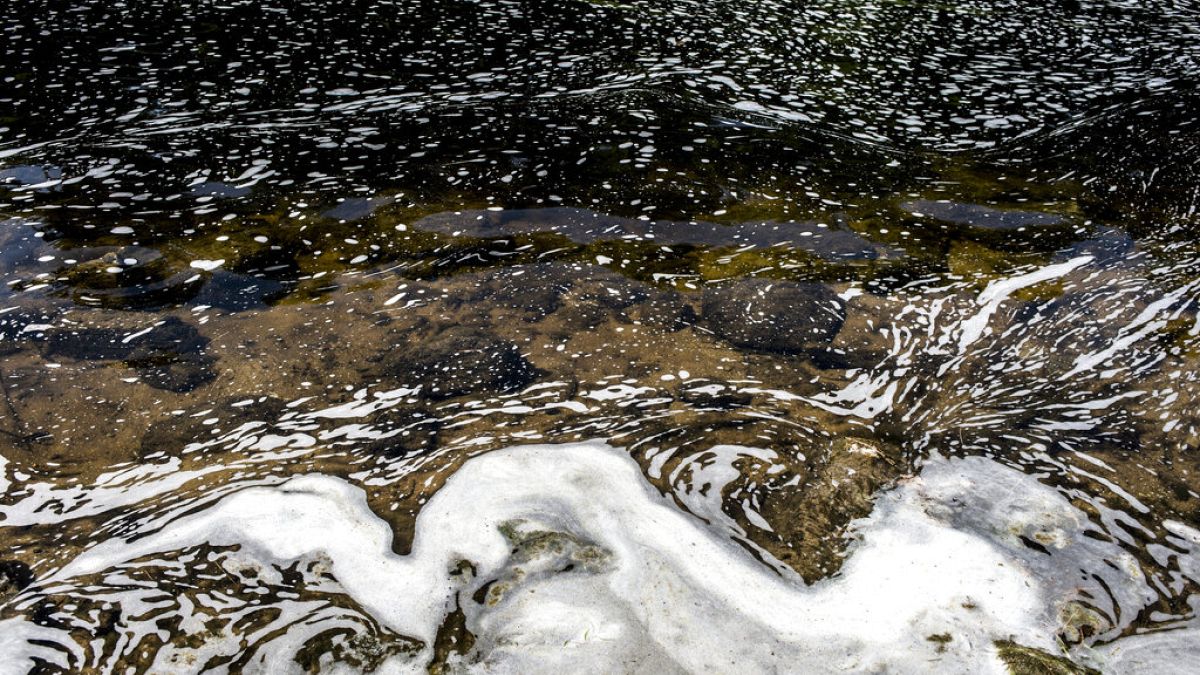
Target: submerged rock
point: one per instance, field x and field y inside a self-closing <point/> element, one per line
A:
<point x="21" y="325"/>
<point x="1078" y="621"/>
<point x="179" y="375"/>
<point x="130" y="277"/>
<point x="173" y="359"/>
<point x="584" y="226"/>
<point x="532" y="292"/>
<point x="460" y="361"/>
<point x="356" y="208"/>
<point x="238" y="292"/>
<point x="540" y="554"/>
<point x="808" y="520"/>
<point x="976" y="215"/>
<point x="171" y="337"/>
<point x="103" y="268"/>
<point x="774" y="316"/>
<point x="169" y="356"/>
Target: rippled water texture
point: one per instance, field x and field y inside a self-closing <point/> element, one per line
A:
<point x="854" y="336"/>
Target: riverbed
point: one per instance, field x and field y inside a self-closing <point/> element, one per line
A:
<point x="594" y="336"/>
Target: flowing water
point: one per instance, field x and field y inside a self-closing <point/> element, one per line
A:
<point x="591" y="336"/>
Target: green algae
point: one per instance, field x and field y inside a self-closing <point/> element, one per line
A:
<point x="363" y="652"/>
<point x="1080" y="622"/>
<point x="1022" y="660"/>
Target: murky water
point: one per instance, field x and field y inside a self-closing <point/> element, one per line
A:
<point x="600" y="336"/>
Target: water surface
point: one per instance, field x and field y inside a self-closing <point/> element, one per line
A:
<point x="514" y="336"/>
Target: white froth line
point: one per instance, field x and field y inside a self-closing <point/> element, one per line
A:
<point x="696" y="598"/>
<point x="998" y="291"/>
<point x="134" y="336"/>
<point x="1145" y="323"/>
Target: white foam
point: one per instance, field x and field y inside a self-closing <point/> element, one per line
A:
<point x="676" y="596"/>
<point x="1162" y="653"/>
<point x="207" y="265"/>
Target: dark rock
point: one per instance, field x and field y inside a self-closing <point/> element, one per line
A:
<point x="97" y="266"/>
<point x="842" y="359"/>
<point x="774" y="316"/>
<point x="986" y="217"/>
<point x="665" y="311"/>
<point x="169" y="357"/>
<point x="172" y="338"/>
<point x="238" y="292"/>
<point x="22" y="325"/>
<point x="583" y="226"/>
<point x="1107" y="246"/>
<point x="179" y="375"/>
<point x="130" y="277"/>
<point x="722" y="400"/>
<point x="270" y="262"/>
<point x="87" y="344"/>
<point x="458" y="362"/>
<point x="142" y="296"/>
<point x="579" y="225"/>
<point x="617" y="292"/>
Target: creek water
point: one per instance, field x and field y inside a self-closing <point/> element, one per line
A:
<point x="589" y="336"/>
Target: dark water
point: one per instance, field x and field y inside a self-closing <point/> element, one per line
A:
<point x="791" y="258"/>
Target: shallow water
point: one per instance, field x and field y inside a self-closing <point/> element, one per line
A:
<point x="525" y="336"/>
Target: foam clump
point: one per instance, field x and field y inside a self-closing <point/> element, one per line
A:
<point x="563" y="557"/>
